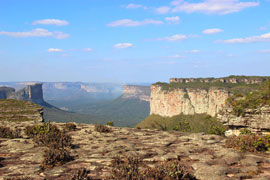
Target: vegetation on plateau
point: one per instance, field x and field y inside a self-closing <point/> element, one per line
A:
<point x="57" y="141"/>
<point x="257" y="98"/>
<point x="185" y="123"/>
<point x="249" y="142"/>
<point x="14" y="110"/>
<point x="133" y="168"/>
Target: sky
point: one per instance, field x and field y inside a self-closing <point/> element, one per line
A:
<point x="132" y="40"/>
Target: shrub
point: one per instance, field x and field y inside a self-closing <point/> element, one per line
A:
<point x="102" y="129"/>
<point x="251" y="100"/>
<point x="110" y="123"/>
<point x="6" y="132"/>
<point x="70" y="126"/>
<point x="125" y="168"/>
<point x="132" y="168"/>
<point x="245" y="131"/>
<point x="81" y="174"/>
<point x="47" y="134"/>
<point x="168" y="170"/>
<point x="55" y="156"/>
<point x="250" y="143"/>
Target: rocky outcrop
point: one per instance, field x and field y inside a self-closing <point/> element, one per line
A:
<point x="33" y="93"/>
<point x="204" y="155"/>
<point x="138" y="92"/>
<point x="187" y="101"/>
<point x="257" y="120"/>
<point x="230" y="79"/>
<point x="6" y="92"/>
<point x="14" y="110"/>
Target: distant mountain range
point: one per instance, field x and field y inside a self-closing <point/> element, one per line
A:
<point x="125" y="105"/>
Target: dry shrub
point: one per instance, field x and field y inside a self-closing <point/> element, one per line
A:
<point x="81" y="174"/>
<point x="6" y="132"/>
<point x="70" y="126"/>
<point x="132" y="168"/>
<point x="47" y="134"/>
<point x="55" y="156"/>
<point x="125" y="168"/>
<point x="249" y="142"/>
<point x="102" y="129"/>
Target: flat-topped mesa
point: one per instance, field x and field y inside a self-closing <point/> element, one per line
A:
<point x="33" y="93"/>
<point x="134" y="91"/>
<point x="230" y="79"/>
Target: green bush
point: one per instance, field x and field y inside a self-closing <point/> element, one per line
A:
<point x="47" y="134"/>
<point x="252" y="100"/>
<point x="249" y="142"/>
<point x="110" y="123"/>
<point x="185" y="123"/>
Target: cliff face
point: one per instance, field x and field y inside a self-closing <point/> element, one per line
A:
<point x="33" y="93"/>
<point x="138" y="92"/>
<point x="187" y="101"/>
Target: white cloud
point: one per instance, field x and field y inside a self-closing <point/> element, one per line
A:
<point x="192" y="51"/>
<point x="208" y="6"/>
<point x="229" y="55"/>
<point x="123" y="45"/>
<point x="38" y="32"/>
<point x="56" y="22"/>
<point x="177" y="56"/>
<point x="212" y="31"/>
<point x="174" y="19"/>
<point x="55" y="50"/>
<point x="129" y="22"/>
<point x="176" y="37"/>
<point x="252" y="39"/>
<point x="265" y="51"/>
<point x="135" y="6"/>
<point x="163" y="10"/>
<point x="87" y="50"/>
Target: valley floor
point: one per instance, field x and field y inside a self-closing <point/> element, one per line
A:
<point x="204" y="155"/>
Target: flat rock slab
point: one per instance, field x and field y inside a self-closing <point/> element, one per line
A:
<point x="204" y="155"/>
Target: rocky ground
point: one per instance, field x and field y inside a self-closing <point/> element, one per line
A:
<point x="204" y="155"/>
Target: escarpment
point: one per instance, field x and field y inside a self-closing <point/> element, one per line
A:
<point x="138" y="92"/>
<point x="187" y="101"/>
<point x="210" y="96"/>
<point x="32" y="92"/>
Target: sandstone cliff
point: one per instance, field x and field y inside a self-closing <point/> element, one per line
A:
<point x="187" y="101"/>
<point x="138" y="92"/>
<point x="33" y="93"/>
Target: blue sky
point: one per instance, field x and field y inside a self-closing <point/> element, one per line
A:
<point x="132" y="41"/>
